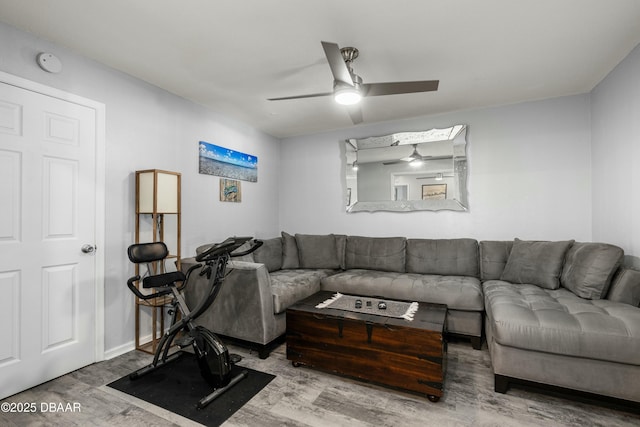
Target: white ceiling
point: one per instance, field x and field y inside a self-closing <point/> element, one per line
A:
<point x="231" y="55"/>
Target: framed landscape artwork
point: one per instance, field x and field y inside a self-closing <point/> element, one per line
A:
<point x="220" y="161"/>
<point x="434" y="192"/>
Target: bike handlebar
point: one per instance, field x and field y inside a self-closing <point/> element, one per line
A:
<point x="255" y="245"/>
<point x="227" y="247"/>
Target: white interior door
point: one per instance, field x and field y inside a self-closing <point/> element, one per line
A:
<point x="47" y="214"/>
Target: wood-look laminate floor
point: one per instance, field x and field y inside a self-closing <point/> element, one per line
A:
<point x="306" y="397"/>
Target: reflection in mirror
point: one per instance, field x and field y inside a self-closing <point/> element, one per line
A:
<point x="408" y="171"/>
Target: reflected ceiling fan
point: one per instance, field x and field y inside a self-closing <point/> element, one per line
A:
<point x="348" y="88"/>
<point x="415" y="158"/>
<point x="438" y="176"/>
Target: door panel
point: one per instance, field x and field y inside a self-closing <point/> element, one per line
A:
<point x="61" y="129"/>
<point x="9" y="333"/>
<point x="10" y="118"/>
<point x="10" y="190"/>
<point x="59" y="198"/>
<point x="47" y="188"/>
<point x="59" y="306"/>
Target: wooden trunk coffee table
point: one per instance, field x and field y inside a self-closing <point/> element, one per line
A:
<point x="408" y="355"/>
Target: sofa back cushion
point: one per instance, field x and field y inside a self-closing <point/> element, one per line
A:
<point x="493" y="258"/>
<point x="589" y="268"/>
<point x="446" y="257"/>
<point x="270" y="254"/>
<point x="375" y="253"/>
<point x="318" y="251"/>
<point x="625" y="287"/>
<point x="537" y="263"/>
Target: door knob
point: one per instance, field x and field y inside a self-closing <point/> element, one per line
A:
<point x="88" y="249"/>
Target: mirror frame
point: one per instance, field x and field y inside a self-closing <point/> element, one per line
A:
<point x="460" y="200"/>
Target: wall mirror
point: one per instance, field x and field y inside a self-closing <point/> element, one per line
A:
<point x="408" y="171"/>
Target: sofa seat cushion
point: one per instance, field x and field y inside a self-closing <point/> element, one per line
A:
<point x="290" y="286"/>
<point x="559" y="322"/>
<point x="457" y="292"/>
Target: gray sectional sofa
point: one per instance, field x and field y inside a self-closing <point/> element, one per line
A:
<point x="558" y="313"/>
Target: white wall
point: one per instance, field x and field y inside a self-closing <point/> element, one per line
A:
<point x="615" y="111"/>
<point x="150" y="128"/>
<point x="529" y="177"/>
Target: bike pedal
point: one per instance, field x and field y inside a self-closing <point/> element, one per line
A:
<point x="235" y="358"/>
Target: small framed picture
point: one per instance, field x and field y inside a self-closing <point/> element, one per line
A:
<point x="230" y="190"/>
<point x="434" y="192"/>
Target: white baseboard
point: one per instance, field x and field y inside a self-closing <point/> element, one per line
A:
<point x="125" y="348"/>
<point x="119" y="350"/>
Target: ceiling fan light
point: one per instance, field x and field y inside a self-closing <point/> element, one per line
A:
<point x="347" y="96"/>
<point x="416" y="162"/>
<point x="354" y="166"/>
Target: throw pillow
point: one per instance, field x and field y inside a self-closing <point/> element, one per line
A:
<point x="626" y="287"/>
<point x="589" y="267"/>
<point x="341" y="242"/>
<point x="270" y="254"/>
<point x="536" y="263"/>
<point x="317" y="251"/>
<point x="290" y="259"/>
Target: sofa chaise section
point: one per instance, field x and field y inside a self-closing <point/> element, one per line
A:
<point x="576" y="334"/>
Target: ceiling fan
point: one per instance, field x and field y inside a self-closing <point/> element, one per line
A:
<point x="415" y="158"/>
<point x="438" y="176"/>
<point x="348" y="88"/>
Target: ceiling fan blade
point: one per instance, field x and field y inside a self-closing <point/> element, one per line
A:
<point x="434" y="176"/>
<point x="436" y="157"/>
<point x="394" y="88"/>
<point x="336" y="63"/>
<point x="313" y="95"/>
<point x="355" y="112"/>
<point x="424" y="159"/>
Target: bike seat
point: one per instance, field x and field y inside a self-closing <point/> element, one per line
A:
<point x="163" y="279"/>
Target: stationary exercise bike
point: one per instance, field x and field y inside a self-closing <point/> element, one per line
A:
<point x="211" y="353"/>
